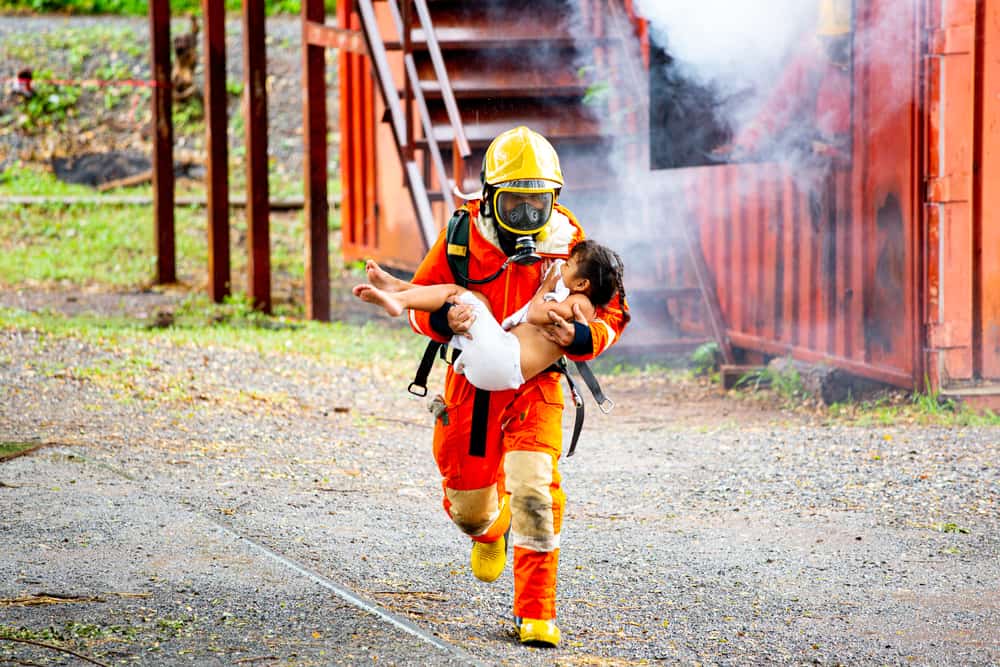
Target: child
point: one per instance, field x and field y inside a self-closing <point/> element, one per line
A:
<point x="494" y="358"/>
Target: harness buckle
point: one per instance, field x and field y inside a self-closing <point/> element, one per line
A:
<point x="607" y="405"/>
<point x="422" y="388"/>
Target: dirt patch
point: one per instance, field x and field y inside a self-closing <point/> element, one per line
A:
<point x="116" y="118"/>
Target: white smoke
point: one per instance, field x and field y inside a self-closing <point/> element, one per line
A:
<point x="737" y="47"/>
<point x="729" y="42"/>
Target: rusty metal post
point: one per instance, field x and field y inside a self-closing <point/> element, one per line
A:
<point x="217" y="182"/>
<point x="254" y="80"/>
<point x="163" y="141"/>
<point x="407" y="39"/>
<point x="314" y="129"/>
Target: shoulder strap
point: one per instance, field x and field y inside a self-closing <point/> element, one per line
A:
<point x="457" y="246"/>
<point x="457" y="253"/>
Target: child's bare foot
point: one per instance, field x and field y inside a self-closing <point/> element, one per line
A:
<point x="372" y="294"/>
<point x="381" y="278"/>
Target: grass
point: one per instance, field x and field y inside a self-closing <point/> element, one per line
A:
<point x="785" y="382"/>
<point x="11" y="448"/>
<point x="76" y="45"/>
<point x="111" y="247"/>
<point x="923" y="408"/>
<point x="124" y="352"/>
<point x="89" y="244"/>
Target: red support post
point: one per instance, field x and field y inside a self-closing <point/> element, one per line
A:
<point x="254" y="79"/>
<point x="163" y="141"/>
<point x="217" y="181"/>
<point x="317" y="269"/>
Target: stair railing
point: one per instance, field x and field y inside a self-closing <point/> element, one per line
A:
<point x="397" y="121"/>
<point x="400" y="111"/>
<point x="460" y="143"/>
<point x="412" y="91"/>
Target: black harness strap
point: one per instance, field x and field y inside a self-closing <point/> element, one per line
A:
<point x="578" y="402"/>
<point x="480" y="420"/>
<point x="603" y="402"/>
<point x="419" y="385"/>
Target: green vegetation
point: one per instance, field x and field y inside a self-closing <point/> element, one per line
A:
<point x="919" y="408"/>
<point x="141" y="7"/>
<point x="11" y="448"/>
<point x="128" y="371"/>
<point x="786" y="382"/>
<point x="51" y="104"/>
<point x="76" y="44"/>
<point x="71" y="630"/>
<point x="705" y="359"/>
<point x="85" y="244"/>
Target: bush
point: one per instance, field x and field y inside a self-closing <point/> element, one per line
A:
<point x="705" y="359"/>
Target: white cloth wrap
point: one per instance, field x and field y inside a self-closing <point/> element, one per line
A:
<point x="491" y="359"/>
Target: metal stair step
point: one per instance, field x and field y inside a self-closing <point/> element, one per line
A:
<point x="485" y="25"/>
<point x="558" y="123"/>
<point x="500" y="73"/>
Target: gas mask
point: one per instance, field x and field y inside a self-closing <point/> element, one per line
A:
<point x="521" y="209"/>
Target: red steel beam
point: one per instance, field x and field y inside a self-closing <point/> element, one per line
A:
<point x="950" y="191"/>
<point x="986" y="194"/>
<point x="163" y="141"/>
<point x="316" y="33"/>
<point x="254" y="78"/>
<point x="314" y="128"/>
<point x="217" y="181"/>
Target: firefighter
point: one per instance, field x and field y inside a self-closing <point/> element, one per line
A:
<point x="498" y="452"/>
<point x="815" y="85"/>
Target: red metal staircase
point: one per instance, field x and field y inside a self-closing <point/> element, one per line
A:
<point x="451" y="76"/>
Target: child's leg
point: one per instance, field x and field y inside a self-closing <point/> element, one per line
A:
<point x="427" y="298"/>
<point x="384" y="280"/>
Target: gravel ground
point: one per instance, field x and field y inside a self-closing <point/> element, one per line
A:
<point x="701" y="528"/>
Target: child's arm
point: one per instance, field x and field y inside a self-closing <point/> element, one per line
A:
<point x="538" y="311"/>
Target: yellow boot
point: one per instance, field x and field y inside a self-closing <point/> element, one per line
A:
<point x="489" y="559"/>
<point x="538" y="632"/>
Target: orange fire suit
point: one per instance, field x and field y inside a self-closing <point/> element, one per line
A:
<point x="498" y="451"/>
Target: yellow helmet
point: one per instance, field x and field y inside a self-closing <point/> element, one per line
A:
<point x="521" y="154"/>
<point x="834" y="18"/>
<point x="521" y="180"/>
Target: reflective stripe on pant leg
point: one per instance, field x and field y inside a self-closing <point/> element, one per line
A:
<point x="478" y="513"/>
<point x="532" y="443"/>
<point x="529" y="477"/>
<point x="536" y="513"/>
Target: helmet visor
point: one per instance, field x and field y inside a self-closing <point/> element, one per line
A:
<point x="523" y="210"/>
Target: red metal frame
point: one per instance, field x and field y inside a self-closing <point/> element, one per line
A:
<point x="217" y="179"/>
<point x="986" y="202"/>
<point x="163" y="143"/>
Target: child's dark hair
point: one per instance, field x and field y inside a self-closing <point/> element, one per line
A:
<point x="604" y="269"/>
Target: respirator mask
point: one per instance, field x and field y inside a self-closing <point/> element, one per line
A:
<point x="522" y="209"/>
